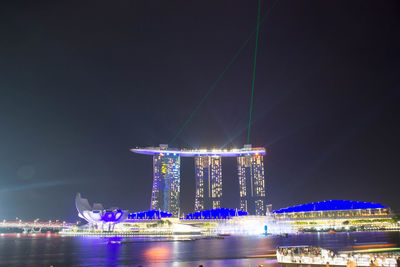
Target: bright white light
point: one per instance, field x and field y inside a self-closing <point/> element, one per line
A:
<point x="254" y="225"/>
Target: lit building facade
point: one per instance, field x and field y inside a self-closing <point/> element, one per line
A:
<point x="166" y="183"/>
<point x="208" y="182"/>
<point x="208" y="166"/>
<point x="338" y="215"/>
<point x="333" y="209"/>
<point x="251" y="184"/>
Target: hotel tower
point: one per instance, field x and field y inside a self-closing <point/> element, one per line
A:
<point x="166" y="183"/>
<point x="251" y="184"/>
<point x="208" y="182"/>
<point x="208" y="168"/>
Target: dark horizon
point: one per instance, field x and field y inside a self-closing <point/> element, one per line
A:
<point x="82" y="83"/>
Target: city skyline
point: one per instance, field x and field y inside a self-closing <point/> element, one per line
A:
<point x="82" y="83"/>
<point x="199" y="133"/>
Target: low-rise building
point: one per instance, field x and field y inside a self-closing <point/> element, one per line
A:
<point x="339" y="215"/>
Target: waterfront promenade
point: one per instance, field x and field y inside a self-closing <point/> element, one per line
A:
<point x="27" y="225"/>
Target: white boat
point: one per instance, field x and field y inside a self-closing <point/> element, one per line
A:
<point x="315" y="256"/>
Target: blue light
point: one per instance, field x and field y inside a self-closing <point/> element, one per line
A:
<point x="150" y="215"/>
<point x="112" y="216"/>
<point x="215" y="214"/>
<point x="332" y="205"/>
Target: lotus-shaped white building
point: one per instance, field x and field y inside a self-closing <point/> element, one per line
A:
<point x="98" y="217"/>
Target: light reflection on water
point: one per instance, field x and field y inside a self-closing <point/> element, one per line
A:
<point x="232" y="251"/>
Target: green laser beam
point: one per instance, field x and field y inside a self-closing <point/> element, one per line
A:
<point x="254" y="70"/>
<point x="212" y="87"/>
<point x="214" y="84"/>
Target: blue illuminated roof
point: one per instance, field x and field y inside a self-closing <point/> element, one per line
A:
<point x="332" y="205"/>
<point x="215" y="214"/>
<point x="150" y="215"/>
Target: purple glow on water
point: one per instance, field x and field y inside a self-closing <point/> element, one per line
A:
<point x="230" y="251"/>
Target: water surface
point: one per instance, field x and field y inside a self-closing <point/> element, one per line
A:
<point x="27" y="250"/>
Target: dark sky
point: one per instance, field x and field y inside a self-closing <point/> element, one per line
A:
<point x="82" y="82"/>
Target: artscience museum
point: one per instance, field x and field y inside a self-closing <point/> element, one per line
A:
<point x="98" y="217"/>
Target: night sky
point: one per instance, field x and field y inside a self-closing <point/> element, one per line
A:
<point x="82" y="82"/>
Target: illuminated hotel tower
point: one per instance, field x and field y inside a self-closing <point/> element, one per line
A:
<point x="166" y="183"/>
<point x="208" y="182"/>
<point x="166" y="179"/>
<point x="251" y="183"/>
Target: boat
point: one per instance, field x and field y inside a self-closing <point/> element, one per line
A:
<point x="114" y="242"/>
<point x="316" y="256"/>
<point x="213" y="237"/>
<point x="227" y="234"/>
